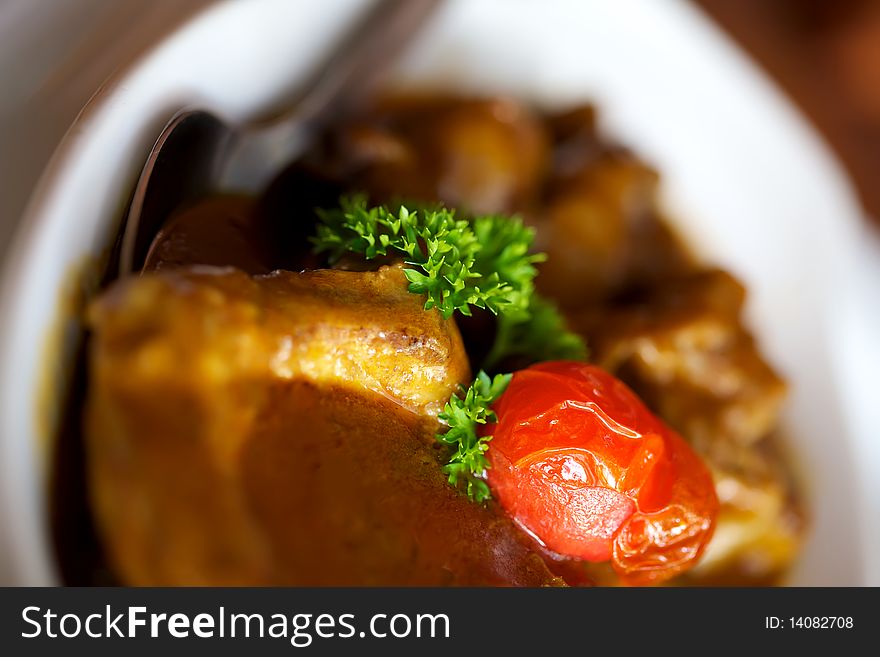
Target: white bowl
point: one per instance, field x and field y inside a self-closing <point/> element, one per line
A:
<point x="750" y="186"/>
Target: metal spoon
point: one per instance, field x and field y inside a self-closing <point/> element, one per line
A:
<point x="197" y="153"/>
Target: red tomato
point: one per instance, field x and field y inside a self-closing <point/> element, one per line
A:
<point x="582" y="465"/>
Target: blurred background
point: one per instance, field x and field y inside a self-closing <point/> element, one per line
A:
<point x="54" y="54"/>
<point x="826" y="55"/>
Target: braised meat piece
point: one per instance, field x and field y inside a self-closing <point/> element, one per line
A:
<point x="599" y="223"/>
<point x="279" y="430"/>
<point x="682" y="347"/>
<point x="478" y="156"/>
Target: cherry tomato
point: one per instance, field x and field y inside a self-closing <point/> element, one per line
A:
<point x="583" y="466"/>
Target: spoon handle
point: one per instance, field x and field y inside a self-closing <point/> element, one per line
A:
<point x="353" y="69"/>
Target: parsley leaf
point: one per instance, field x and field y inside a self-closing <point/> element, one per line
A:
<point x="457" y="265"/>
<point x="504" y="249"/>
<point x="463" y="414"/>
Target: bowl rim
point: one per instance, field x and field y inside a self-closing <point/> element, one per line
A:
<point x="30" y="553"/>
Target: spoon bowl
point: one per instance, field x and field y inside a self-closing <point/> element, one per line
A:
<point x="181" y="168"/>
<point x="197" y="153"/>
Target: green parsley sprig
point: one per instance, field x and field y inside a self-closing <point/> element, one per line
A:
<point x="464" y="414"/>
<point x="449" y="259"/>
